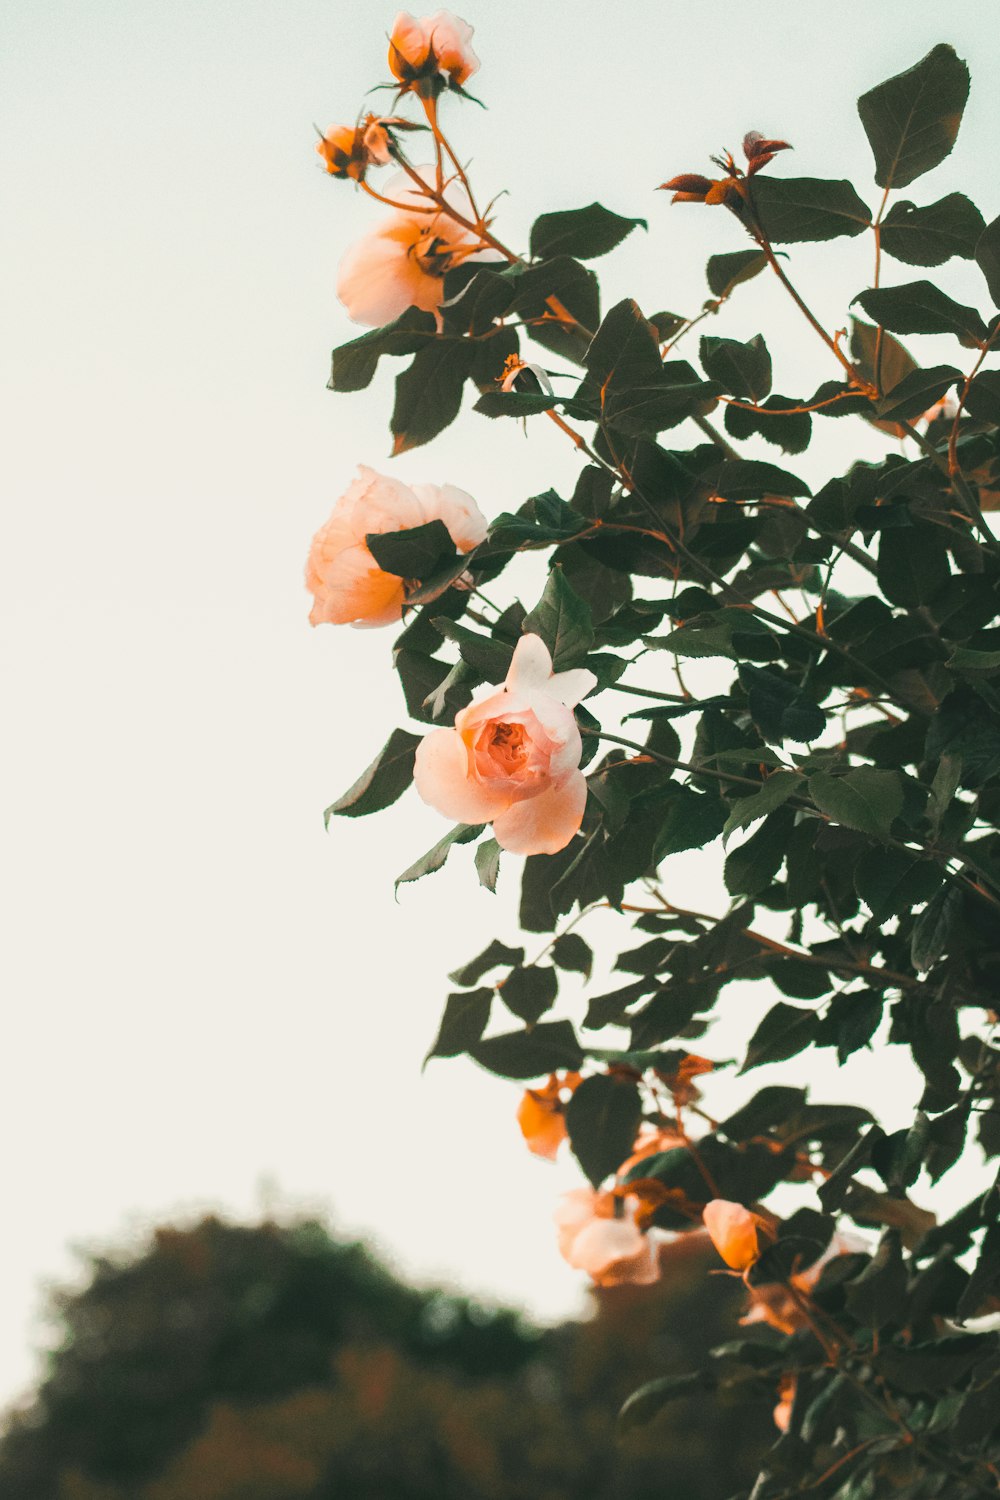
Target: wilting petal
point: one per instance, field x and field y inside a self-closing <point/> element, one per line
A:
<point x="543" y="824"/>
<point x="733" y="1230"/>
<point x="441" y="777"/>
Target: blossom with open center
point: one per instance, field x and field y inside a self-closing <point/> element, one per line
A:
<point x="513" y="757"/>
<point x="404" y="261"/>
<point x="429" y="53"/>
<point x="349" y="586"/>
<point x="598" y="1234"/>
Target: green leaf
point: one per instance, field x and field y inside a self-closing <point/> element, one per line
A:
<point x="687" y="820"/>
<point x="878" y="1295"/>
<point x="967" y="659"/>
<point x="570" y="952"/>
<point x="921" y="307"/>
<point x="795" y="209"/>
<point x="933" y="928"/>
<point x="465" y="1018"/>
<point x="488" y="863"/>
<point x="724" y="272"/>
<point x="774" y="791"/>
<point x="518" y="404"/>
<point x="864" y="799"/>
<point x="988" y="256"/>
<point x="912" y="119"/>
<point x="463" y="833"/>
<point x="488" y="658"/>
<point x="893" y="881"/>
<point x="770" y="1106"/>
<point x="583" y="232"/>
<point x="625" y="350"/>
<point x="983" y="398"/>
<point x="650" y="1399"/>
<point x="779" y="707"/>
<point x="916" y="393"/>
<point x="530" y="991"/>
<point x="787" y="429"/>
<point x="429" y="392"/>
<point x="386" y="779"/>
<point x="563" y="621"/>
<point x="785" y="1031"/>
<point x="912" y="564"/>
<point x="752" y="867"/>
<point x="741" y="369"/>
<point x="966" y="728"/>
<point x="602" y="1120"/>
<point x="894" y="362"/>
<point x="414" y="551"/>
<point x="930" y="236"/>
<point x="749" y="479"/>
<point x="932" y="1367"/>
<point x="354" y="364"/>
<point x="548" y="1047"/>
<point x="492" y="957"/>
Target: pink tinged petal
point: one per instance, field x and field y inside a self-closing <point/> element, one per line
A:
<point x="378" y="280"/>
<point x="461" y="515"/>
<point x="545" y="823"/>
<point x="351" y="589"/>
<point x="376" y="502"/>
<point x="569" y="687"/>
<point x="531" y="666"/>
<point x="574" y="1210"/>
<point x="443" y="779"/>
<point x="451" y="38"/>
<point x="733" y="1230"/>
<point x="613" y="1251"/>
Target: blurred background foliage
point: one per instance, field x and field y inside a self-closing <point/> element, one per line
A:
<point x="274" y="1362"/>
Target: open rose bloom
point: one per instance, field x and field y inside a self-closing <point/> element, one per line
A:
<point x="513" y="757"/>
<point x="434" y="50"/>
<point x="598" y="1234"/>
<point x="348" y="585"/>
<point x="404" y="261"/>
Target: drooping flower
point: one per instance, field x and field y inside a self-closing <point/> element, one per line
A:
<point x="429" y="54"/>
<point x="598" y="1234"/>
<point x="349" y="586"/>
<point x="540" y="1114"/>
<point x="513" y="757"/>
<point x="403" y="262"/>
<point x="733" y="1231"/>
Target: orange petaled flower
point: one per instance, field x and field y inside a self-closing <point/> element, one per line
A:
<point x="432" y="53"/>
<point x="513" y="757"/>
<point x="404" y="261"/>
<point x="349" y="150"/>
<point x="733" y="1230"/>
<point x="347" y="583"/>
<point x="598" y="1234"/>
<point x="540" y="1114"/>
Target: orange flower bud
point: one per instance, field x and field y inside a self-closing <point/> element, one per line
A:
<point x="432" y="53"/>
<point x="733" y="1230"/>
<point x="540" y="1115"/>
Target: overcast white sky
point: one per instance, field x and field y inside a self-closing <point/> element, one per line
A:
<point x="210" y="1002"/>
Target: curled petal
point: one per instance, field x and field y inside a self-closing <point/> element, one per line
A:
<point x="691" y="184"/>
<point x="543" y="824"/>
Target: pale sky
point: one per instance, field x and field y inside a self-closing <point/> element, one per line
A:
<point x="210" y="1001"/>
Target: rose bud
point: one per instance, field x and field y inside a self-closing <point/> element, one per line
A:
<point x="430" y="54"/>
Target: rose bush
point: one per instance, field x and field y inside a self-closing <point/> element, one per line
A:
<point x="840" y="754"/>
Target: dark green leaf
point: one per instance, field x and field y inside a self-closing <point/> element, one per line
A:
<point x="983" y="398"/>
<point x="988" y="256"/>
<point x="724" y="272"/>
<point x="892" y="881"/>
<point x="935" y="1366"/>
<point x="583" y="232"/>
<point x="749" y="479"/>
<point x="435" y="858"/>
<point x="912" y="564"/>
<point x="752" y="867"/>
<point x="625" y="350"/>
<point x="921" y="307"/>
<point x="546" y="1048"/>
<point x="793" y="209"/>
<point x="602" y="1119"/>
<point x="354" y="364"/>
<point x="387" y="778"/>
<point x="933" y="928"/>
<point x="964" y="727"/>
<point x="776" y="422"/>
<point x="916" y="393"/>
<point x="647" y="1402"/>
<point x="513" y="403"/>
<point x="774" y="791"/>
<point x="785" y="1031"/>
<point x="741" y="369"/>
<point x="414" y="552"/>
<point x="562" y="619"/>
<point x="878" y="1295"/>
<point x="930" y="236"/>
<point x="488" y="863"/>
<point x="864" y="799"/>
<point x="572" y="953"/>
<point x="465" y="1018"/>
<point x="687" y="820"/>
<point x="492" y="957"/>
<point x="779" y="707"/>
<point x="530" y="992"/>
<point x="429" y="392"/>
<point x="911" y="120"/>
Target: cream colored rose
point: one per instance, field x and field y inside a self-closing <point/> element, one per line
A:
<point x="513" y="757"/>
<point x="349" y="586"/>
<point x="404" y="261"/>
<point x="611" y="1249"/>
<point x="733" y="1230"/>
<point x="440" y="44"/>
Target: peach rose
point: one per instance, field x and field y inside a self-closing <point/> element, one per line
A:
<point x="540" y="1115"/>
<point x="404" y="261"/>
<point x="437" y="47"/>
<point x="349" y="586"/>
<point x="611" y="1249"/>
<point x="733" y="1230"/>
<point x="513" y="757"/>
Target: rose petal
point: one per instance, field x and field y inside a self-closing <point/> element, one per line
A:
<point x="441" y="776"/>
<point x="446" y="502"/>
<point x="543" y="824"/>
<point x="378" y="280"/>
<point x="354" y="590"/>
<point x="733" y="1230"/>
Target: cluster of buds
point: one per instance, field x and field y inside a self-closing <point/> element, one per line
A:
<point x="693" y="187"/>
<point x="349" y="150"/>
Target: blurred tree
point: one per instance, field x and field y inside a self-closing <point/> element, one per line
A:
<point x="274" y="1363"/>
